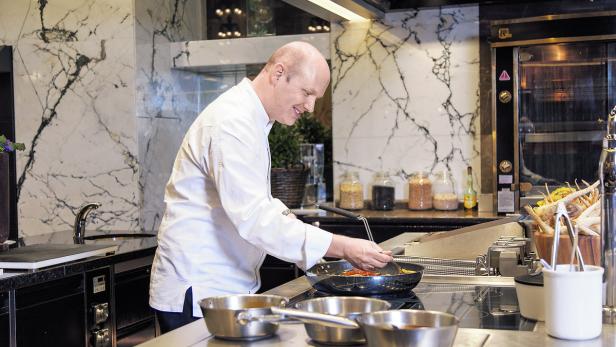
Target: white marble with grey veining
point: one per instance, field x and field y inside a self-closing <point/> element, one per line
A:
<point x="406" y="95"/>
<point x="74" y="110"/>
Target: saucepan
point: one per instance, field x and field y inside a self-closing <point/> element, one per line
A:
<point x="383" y="328"/>
<point x="349" y="307"/>
<point x="221" y="315"/>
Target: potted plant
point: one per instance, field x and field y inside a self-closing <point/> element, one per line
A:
<point x="288" y="175"/>
<point x="6" y="147"/>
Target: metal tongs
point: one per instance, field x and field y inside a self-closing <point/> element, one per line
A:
<point x="561" y="212"/>
<point x="348" y="214"/>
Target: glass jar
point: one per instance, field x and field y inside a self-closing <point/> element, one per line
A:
<point x="351" y="192"/>
<point x="383" y="192"/>
<point x="444" y="195"/>
<point x="420" y="191"/>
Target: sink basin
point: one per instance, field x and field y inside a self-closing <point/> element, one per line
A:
<point x="119" y="236"/>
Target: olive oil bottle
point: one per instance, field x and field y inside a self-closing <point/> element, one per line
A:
<point x="470" y="195"/>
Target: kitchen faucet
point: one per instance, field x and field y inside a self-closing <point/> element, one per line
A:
<point x="80" y="221"/>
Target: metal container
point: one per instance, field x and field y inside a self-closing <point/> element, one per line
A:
<point x="349" y="307"/>
<point x="221" y="315"/>
<point x="409" y="328"/>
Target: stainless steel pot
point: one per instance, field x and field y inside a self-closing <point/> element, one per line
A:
<point x="409" y="328"/>
<point x="223" y="315"/>
<point x="349" y="307"/>
<point x="391" y="328"/>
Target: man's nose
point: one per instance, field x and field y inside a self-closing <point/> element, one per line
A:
<point x="309" y="104"/>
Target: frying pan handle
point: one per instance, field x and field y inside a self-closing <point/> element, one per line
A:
<point x="316" y="318"/>
<point x="339" y="211"/>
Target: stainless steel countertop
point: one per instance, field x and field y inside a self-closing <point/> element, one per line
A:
<point x="196" y="333"/>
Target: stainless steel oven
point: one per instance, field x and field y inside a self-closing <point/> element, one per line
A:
<point x="553" y="85"/>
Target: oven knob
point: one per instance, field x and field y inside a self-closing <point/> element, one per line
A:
<point x="102" y="338"/>
<point x="101" y="313"/>
<point x="505" y="166"/>
<point x="504" y="96"/>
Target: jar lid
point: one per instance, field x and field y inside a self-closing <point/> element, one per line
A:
<point x="536" y="280"/>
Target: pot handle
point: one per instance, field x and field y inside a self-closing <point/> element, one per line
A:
<point x="316" y="318"/>
<point x="244" y="318"/>
<point x="339" y="211"/>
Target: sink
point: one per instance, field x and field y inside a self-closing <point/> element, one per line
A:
<point x="118" y="236"/>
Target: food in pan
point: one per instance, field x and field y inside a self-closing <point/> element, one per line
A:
<point x="407" y="272"/>
<point x="358" y="272"/>
<point x="363" y="273"/>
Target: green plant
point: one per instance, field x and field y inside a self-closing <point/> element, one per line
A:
<point x="284" y="140"/>
<point x="7" y="146"/>
<point x="284" y="145"/>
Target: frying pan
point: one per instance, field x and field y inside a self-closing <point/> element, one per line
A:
<point x="327" y="276"/>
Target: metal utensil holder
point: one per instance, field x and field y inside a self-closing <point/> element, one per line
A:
<point x="561" y="212"/>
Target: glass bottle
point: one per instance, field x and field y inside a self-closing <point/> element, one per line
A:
<point x="444" y="196"/>
<point x="470" y="195"/>
<point x="383" y="192"/>
<point x="420" y="191"/>
<point x="351" y="192"/>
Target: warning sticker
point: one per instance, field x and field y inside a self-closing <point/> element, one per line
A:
<point x="504" y="76"/>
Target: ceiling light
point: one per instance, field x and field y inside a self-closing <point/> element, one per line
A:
<point x="339" y="10"/>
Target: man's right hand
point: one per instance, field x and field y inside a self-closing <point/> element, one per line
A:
<point x="363" y="254"/>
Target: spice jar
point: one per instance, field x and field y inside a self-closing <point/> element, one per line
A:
<point x="383" y="192"/>
<point x="351" y="192"/>
<point x="444" y="196"/>
<point x="420" y="191"/>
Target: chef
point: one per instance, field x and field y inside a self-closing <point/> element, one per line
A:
<point x="220" y="218"/>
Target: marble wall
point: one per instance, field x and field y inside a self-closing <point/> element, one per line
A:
<point x="166" y="100"/>
<point x="74" y="108"/>
<point x="102" y="113"/>
<point x="406" y="95"/>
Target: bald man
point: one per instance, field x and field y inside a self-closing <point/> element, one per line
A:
<point x="220" y="218"/>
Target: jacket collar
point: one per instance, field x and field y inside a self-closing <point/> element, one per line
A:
<point x="259" y="114"/>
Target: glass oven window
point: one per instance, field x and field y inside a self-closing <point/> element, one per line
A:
<point x="562" y="103"/>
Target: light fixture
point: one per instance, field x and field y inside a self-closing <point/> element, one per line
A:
<point x="339" y="10"/>
<point x="318" y="25"/>
<point x="229" y="29"/>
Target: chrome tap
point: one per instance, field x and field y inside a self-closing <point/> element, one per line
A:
<point x="80" y="221"/>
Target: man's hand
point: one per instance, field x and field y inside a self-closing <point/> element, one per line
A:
<point x="363" y="254"/>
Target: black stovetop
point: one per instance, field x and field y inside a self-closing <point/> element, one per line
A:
<point x="482" y="307"/>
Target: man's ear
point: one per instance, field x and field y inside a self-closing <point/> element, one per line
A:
<point x="278" y="71"/>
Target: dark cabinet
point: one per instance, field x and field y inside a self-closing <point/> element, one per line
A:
<point x="275" y="272"/>
<point x="134" y="317"/>
<point x="52" y="313"/>
<point x="5" y="327"/>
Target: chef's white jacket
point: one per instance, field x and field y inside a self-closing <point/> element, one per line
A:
<point x="220" y="218"/>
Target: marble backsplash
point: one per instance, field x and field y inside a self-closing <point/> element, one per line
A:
<point x="406" y="95"/>
<point x="74" y="88"/>
<point x="102" y="113"/>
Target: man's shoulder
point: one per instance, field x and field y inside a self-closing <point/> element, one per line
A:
<point x="232" y="106"/>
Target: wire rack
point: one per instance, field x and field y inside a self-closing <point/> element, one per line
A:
<point x="437" y="266"/>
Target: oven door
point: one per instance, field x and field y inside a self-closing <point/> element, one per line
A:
<point x="549" y="129"/>
<point x="564" y="96"/>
